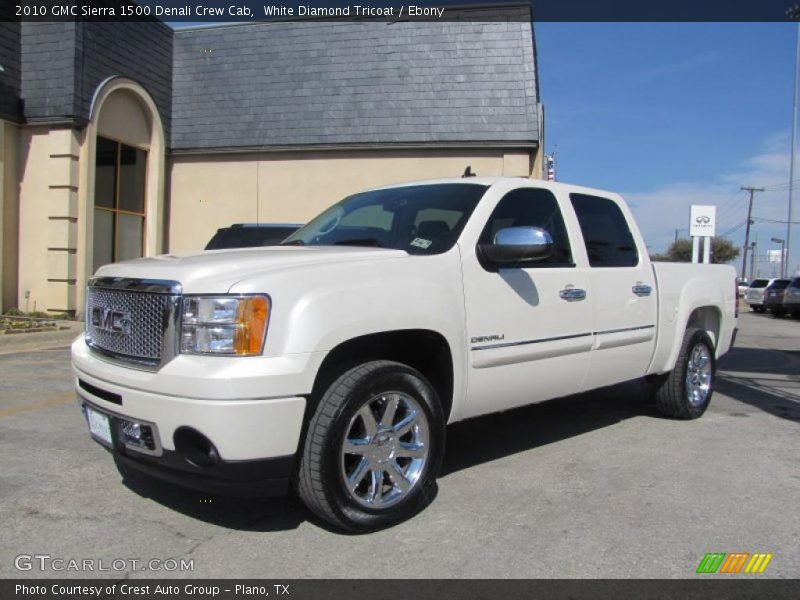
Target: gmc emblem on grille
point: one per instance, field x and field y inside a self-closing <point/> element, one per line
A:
<point x="113" y="321"/>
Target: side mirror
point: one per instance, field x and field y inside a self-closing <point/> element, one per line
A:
<point x="517" y="245"/>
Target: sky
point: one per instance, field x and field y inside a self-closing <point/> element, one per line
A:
<point x="674" y="114"/>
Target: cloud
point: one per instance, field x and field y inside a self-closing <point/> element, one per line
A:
<point x="659" y="211"/>
<point x="680" y="67"/>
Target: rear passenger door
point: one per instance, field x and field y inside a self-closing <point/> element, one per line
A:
<point x="624" y="288"/>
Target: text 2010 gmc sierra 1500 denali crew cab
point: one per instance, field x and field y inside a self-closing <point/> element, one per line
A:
<point x="334" y="362"/>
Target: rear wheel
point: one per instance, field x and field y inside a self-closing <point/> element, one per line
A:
<point x="778" y="312"/>
<point x="685" y="393"/>
<point x="373" y="448"/>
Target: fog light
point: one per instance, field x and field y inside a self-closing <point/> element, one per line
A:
<point x="136" y="435"/>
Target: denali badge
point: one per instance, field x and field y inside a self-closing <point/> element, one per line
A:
<point x="113" y="321"/>
<point x="488" y="338"/>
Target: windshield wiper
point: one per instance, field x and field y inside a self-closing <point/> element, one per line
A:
<point x="360" y="242"/>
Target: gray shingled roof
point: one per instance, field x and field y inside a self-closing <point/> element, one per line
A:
<point x="344" y="83"/>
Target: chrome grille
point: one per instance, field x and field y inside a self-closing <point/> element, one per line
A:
<point x="129" y="324"/>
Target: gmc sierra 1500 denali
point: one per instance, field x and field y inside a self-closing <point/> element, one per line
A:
<point x="332" y="363"/>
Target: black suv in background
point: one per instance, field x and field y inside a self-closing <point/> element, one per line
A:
<point x="249" y="235"/>
<point x="773" y="297"/>
<point x="791" y="298"/>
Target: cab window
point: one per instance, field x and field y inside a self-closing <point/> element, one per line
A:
<point x="609" y="241"/>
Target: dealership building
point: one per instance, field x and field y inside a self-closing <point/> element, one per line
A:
<point x="123" y="139"/>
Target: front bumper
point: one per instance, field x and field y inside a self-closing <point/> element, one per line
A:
<point x="253" y="440"/>
<point x="242" y="478"/>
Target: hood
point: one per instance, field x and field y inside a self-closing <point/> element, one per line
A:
<point x="216" y="271"/>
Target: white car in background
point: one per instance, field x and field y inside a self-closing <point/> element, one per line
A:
<point x="754" y="295"/>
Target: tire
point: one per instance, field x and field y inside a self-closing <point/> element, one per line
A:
<point x="410" y="450"/>
<point x="685" y="393"/>
<point x="778" y="312"/>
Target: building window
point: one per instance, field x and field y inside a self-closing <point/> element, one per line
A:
<point x="119" y="184"/>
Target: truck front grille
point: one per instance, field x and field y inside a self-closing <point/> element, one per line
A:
<point x="131" y="320"/>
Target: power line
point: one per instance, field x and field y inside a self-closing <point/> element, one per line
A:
<point x="776" y="221"/>
<point x="733" y="229"/>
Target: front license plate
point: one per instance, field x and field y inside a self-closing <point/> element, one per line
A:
<point x="99" y="425"/>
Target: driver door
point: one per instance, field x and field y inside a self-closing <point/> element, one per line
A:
<point x="529" y="328"/>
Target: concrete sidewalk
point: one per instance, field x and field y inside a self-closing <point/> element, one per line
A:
<point x="44" y="340"/>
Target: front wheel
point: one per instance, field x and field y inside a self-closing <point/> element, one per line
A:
<point x="373" y="448"/>
<point x="686" y="392"/>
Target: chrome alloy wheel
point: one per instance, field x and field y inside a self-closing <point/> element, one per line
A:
<point x="698" y="375"/>
<point x="385" y="450"/>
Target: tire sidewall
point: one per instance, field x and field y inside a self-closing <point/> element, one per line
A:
<point x="698" y="337"/>
<point x="388" y="378"/>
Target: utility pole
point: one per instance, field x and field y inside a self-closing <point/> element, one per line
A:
<point x="676" y="236"/>
<point x="752" y="191"/>
<point x="752" y="261"/>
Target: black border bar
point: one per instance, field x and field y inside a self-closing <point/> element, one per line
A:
<point x="732" y="587"/>
<point x="219" y="11"/>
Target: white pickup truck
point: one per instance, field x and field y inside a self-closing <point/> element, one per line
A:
<point x="333" y="363"/>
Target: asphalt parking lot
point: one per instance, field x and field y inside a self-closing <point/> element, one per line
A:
<point x="596" y="485"/>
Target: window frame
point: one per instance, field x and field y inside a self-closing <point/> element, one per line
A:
<point x="116" y="210"/>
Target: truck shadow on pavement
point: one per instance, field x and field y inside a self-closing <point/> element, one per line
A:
<point x="492" y="437"/>
<point x="469" y="443"/>
<point x="241" y="514"/>
<point x="765" y="379"/>
<point x="746" y="375"/>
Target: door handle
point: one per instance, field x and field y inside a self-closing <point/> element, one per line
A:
<point x="641" y="289"/>
<point x="572" y="294"/>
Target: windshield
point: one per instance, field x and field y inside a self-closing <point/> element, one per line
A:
<point x="420" y="219"/>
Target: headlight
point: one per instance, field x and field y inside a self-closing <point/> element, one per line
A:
<point x="231" y="325"/>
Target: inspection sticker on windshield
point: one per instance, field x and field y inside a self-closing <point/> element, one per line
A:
<point x="421" y="243"/>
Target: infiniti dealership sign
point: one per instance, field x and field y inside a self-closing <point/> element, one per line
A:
<point x="702" y="222"/>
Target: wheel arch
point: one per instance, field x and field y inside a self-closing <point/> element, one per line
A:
<point x="425" y="350"/>
<point x="707" y="318"/>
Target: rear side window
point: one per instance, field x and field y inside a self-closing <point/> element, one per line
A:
<point x="608" y="239"/>
<point x="531" y="207"/>
<point x="795" y="283"/>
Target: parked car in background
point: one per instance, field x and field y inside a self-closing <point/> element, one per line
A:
<point x="791" y="298"/>
<point x="773" y="297"/>
<point x="249" y="235"/>
<point x="741" y="285"/>
<point x="754" y="295"/>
